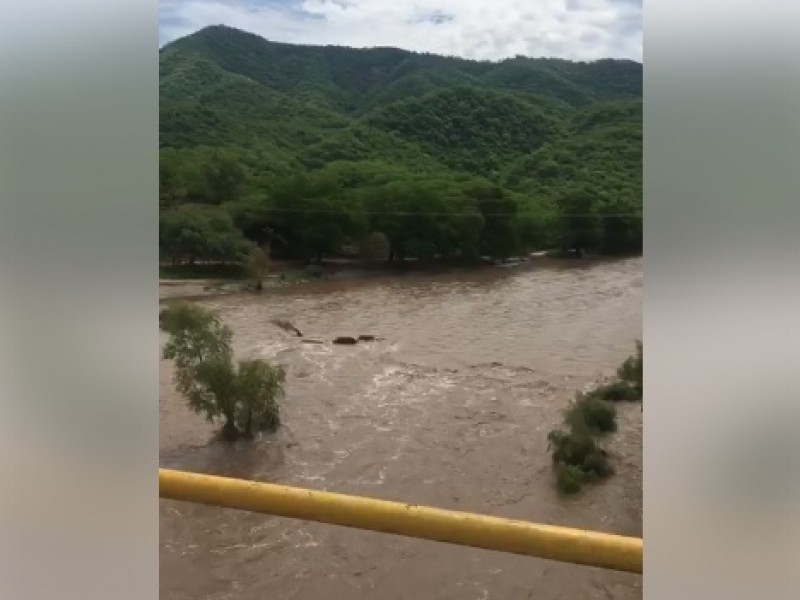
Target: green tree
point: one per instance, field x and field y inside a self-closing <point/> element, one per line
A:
<point x="535" y="229"/>
<point x="224" y="177"/>
<point x="579" y="225"/>
<point x="499" y="238"/>
<point x="313" y="216"/>
<point x="244" y="394"/>
<point x="193" y="232"/>
<point x="251" y="216"/>
<point x="405" y="212"/>
<point x="259" y="386"/>
<point x="620" y="227"/>
<point x="182" y="177"/>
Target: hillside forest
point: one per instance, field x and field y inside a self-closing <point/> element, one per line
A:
<point x="384" y="155"/>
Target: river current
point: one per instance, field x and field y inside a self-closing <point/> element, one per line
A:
<point x="449" y="407"/>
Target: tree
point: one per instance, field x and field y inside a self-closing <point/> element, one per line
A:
<point x="252" y="218"/>
<point x="578" y="220"/>
<point x="194" y="232"/>
<point x="184" y="177"/>
<point x="313" y="216"/>
<point x="535" y="228"/>
<point x="499" y="238"/>
<point x="259" y="385"/>
<point x="224" y="178"/>
<point x="620" y="227"/>
<point x="244" y="394"/>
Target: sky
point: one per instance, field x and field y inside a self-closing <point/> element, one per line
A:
<point x="477" y="29"/>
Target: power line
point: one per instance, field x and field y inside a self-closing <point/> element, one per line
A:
<point x="444" y="214"/>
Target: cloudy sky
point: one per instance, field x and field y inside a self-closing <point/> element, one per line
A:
<point x="480" y="29"/>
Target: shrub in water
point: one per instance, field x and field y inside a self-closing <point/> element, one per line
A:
<point x="596" y="466"/>
<point x="569" y="479"/>
<point x="632" y="370"/>
<point x="592" y="413"/>
<point x="617" y="391"/>
<point x="578" y="449"/>
<point x="572" y="447"/>
<point x="576" y="457"/>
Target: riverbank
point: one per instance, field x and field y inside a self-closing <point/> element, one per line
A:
<point x="201" y="281"/>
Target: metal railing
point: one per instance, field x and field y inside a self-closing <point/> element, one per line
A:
<point x="563" y="544"/>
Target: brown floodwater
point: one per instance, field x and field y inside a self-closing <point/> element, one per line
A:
<point x="450" y="408"/>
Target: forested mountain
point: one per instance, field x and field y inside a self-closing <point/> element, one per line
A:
<point x="314" y="148"/>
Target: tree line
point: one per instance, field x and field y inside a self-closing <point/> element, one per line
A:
<point x="215" y="209"/>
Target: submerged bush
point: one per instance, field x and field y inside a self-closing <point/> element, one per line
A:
<point x="596" y="466"/>
<point x="593" y="414"/>
<point x="577" y="459"/>
<point x="569" y="479"/>
<point x="631" y="370"/>
<point x="571" y="447"/>
<point x="617" y="391"/>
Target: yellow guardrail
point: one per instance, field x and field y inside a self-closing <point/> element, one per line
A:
<point x="492" y="533"/>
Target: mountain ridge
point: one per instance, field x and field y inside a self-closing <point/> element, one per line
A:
<point x="284" y="67"/>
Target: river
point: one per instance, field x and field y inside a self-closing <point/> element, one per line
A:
<point x="450" y="408"/>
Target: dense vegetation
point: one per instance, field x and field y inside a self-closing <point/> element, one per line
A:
<point x="578" y="458"/>
<point x="324" y="151"/>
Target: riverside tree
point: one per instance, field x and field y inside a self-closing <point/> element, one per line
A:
<point x="243" y="394"/>
<point x="191" y="233"/>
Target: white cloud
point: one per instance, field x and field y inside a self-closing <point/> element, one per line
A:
<point x="480" y="29"/>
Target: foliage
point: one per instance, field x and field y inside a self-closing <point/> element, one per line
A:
<point x="245" y="394"/>
<point x="259" y="386"/>
<point x="631" y="370"/>
<point x="569" y="478"/>
<point x="577" y="458"/>
<point x="499" y="236"/>
<point x="468" y="128"/>
<point x="593" y="414"/>
<point x="616" y="391"/>
<point x="312" y="149"/>
<point x="313" y="216"/>
<point x="352" y="80"/>
<point x="196" y="335"/>
<point x="191" y="233"/>
<point x="578" y="220"/>
<point x="594" y="170"/>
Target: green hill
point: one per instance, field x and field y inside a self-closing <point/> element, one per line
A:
<point x="275" y="135"/>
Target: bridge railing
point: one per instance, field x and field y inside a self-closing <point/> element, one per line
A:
<point x="563" y="544"/>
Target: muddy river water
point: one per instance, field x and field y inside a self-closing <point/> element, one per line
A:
<point x="450" y="408"/>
